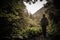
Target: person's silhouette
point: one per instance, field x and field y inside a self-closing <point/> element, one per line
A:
<point x="44" y="23"/>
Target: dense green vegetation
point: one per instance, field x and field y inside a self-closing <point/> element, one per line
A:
<point x="28" y="32"/>
<point x="14" y="20"/>
<point x="53" y="8"/>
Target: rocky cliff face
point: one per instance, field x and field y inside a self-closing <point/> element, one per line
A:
<point x="39" y="13"/>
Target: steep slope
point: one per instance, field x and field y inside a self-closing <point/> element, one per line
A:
<point x="39" y="13"/>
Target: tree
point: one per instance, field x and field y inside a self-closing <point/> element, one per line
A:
<point x="9" y="16"/>
<point x="53" y="12"/>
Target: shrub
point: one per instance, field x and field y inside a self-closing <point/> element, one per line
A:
<point x="28" y="32"/>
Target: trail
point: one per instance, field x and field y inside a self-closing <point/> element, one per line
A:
<point x="40" y="37"/>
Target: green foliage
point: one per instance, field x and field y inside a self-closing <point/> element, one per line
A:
<point x="54" y="14"/>
<point x="9" y="17"/>
<point x="28" y="32"/>
<point x="13" y="19"/>
<point x="51" y="29"/>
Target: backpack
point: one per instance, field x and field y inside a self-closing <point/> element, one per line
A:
<point x="44" y="21"/>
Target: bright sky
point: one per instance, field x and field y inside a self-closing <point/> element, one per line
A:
<point x="34" y="7"/>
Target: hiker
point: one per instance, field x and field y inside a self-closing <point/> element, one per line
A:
<point x="44" y="23"/>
